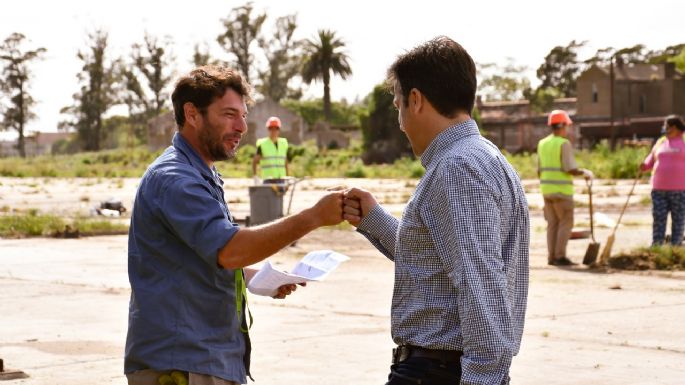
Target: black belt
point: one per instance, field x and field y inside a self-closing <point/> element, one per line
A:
<point x="403" y="352"/>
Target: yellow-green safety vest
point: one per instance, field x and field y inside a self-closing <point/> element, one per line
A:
<point x="553" y="179"/>
<point x="272" y="162"/>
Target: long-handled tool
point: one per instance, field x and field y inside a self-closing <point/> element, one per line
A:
<point x="606" y="252"/>
<point x="593" y="248"/>
<point x="294" y="183"/>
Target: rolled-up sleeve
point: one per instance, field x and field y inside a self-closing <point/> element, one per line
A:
<point x="196" y="217"/>
<point x="462" y="216"/>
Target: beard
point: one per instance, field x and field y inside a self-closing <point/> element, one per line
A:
<point x="213" y="141"/>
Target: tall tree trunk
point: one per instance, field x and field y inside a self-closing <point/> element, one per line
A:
<point x="20" y="124"/>
<point x="326" y="96"/>
<point x="21" y="144"/>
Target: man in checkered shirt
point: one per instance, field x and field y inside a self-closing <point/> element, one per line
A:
<point x="461" y="247"/>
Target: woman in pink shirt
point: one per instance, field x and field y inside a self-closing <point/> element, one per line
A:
<point x="667" y="159"/>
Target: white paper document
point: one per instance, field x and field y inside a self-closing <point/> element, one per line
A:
<point x="314" y="266"/>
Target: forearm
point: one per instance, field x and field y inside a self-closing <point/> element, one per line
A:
<point x="380" y="228"/>
<point x="254" y="244"/>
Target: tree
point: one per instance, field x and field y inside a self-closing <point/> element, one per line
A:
<point x="384" y="142"/>
<point x="153" y="61"/>
<point x="503" y="83"/>
<point x="95" y="98"/>
<point x="201" y="56"/>
<point x="144" y="82"/>
<point x="15" y="82"/>
<point x="322" y="58"/>
<point x="242" y="31"/>
<point x="282" y="54"/>
<point x="561" y="69"/>
<point x="679" y="60"/>
<point x="665" y="55"/>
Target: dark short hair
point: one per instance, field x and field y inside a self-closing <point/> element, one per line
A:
<point x="205" y="84"/>
<point x="676" y="121"/>
<point x="442" y="70"/>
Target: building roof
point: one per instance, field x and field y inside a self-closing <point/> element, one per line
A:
<point x="642" y="71"/>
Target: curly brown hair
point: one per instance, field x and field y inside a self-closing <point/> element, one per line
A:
<point x="205" y="84"/>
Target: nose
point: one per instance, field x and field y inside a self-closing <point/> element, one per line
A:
<point x="241" y="125"/>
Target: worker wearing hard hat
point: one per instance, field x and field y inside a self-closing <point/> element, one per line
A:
<point x="272" y="153"/>
<point x="556" y="168"/>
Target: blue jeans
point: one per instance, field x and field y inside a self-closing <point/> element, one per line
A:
<point x="424" y="371"/>
<point x="663" y="202"/>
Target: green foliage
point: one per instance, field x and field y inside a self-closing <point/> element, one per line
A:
<point x="311" y="111"/>
<point x="620" y="164"/>
<point x="91" y="226"/>
<point x="502" y="82"/>
<point x="15" y="79"/>
<point x="33" y="224"/>
<point x="323" y="58"/>
<point x="29" y="225"/>
<point x="242" y="30"/>
<point x="679" y="60"/>
<point x="305" y="160"/>
<point x="283" y="57"/>
<point x="98" y="79"/>
<point x="384" y="142"/>
<point x="542" y="99"/>
<point x="110" y="163"/>
<point x="663" y="257"/>
<point x="561" y="69"/>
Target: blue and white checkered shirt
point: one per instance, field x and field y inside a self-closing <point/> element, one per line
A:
<point x="461" y="255"/>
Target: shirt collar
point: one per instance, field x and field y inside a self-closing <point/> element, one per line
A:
<point x="182" y="145"/>
<point x="446" y="138"/>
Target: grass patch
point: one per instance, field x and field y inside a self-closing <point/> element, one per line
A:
<point x="305" y="160"/>
<point x="33" y="224"/>
<point x="665" y="257"/>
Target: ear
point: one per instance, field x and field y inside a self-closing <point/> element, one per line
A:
<point x="416" y="100"/>
<point x="192" y="115"/>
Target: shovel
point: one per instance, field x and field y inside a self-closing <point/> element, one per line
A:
<point x="606" y="252"/>
<point x="593" y="248"/>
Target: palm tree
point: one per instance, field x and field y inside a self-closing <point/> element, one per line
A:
<point x="321" y="58"/>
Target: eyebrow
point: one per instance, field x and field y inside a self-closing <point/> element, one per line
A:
<point x="234" y="110"/>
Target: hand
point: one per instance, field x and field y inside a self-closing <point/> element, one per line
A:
<point x="286" y="290"/>
<point x="328" y="210"/>
<point x="357" y="205"/>
<point x="644" y="167"/>
<point x="587" y="174"/>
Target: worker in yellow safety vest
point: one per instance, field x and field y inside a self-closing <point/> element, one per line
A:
<point x="272" y="153"/>
<point x="556" y="168"/>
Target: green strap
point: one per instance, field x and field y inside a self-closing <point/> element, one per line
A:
<point x="240" y="296"/>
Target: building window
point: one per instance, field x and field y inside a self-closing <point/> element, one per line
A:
<point x="643" y="103"/>
<point x="595" y="95"/>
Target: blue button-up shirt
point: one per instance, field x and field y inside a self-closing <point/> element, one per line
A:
<point x="461" y="255"/>
<point x="182" y="313"/>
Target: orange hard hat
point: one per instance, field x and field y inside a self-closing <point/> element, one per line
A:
<point x="558" y="117"/>
<point x="273" y="122"/>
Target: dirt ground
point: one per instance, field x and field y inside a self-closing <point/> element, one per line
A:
<point x="65" y="300"/>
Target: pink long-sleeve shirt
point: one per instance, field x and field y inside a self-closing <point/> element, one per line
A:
<point x="667" y="159"/>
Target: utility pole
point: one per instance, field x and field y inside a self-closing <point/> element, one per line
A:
<point x="612" y="142"/>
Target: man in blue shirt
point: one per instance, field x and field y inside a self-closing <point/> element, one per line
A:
<point x="461" y="247"/>
<point x="186" y="254"/>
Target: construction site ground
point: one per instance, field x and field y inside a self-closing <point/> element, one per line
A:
<point x="65" y="301"/>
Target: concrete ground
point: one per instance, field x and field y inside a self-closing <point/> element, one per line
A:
<point x="65" y="306"/>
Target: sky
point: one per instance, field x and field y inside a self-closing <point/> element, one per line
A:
<point x="374" y="32"/>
